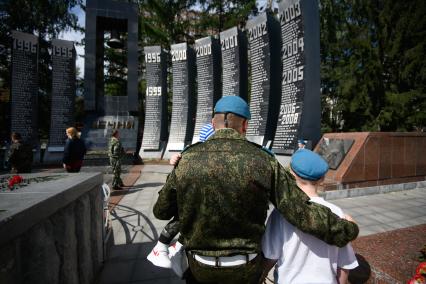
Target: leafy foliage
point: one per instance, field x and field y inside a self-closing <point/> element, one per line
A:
<point x="373" y="65"/>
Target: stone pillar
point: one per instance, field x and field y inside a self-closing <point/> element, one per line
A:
<point x="234" y="63"/>
<point x="63" y="97"/>
<point x="184" y="100"/>
<point x="155" y="129"/>
<point x="264" y="39"/>
<point x="25" y="86"/>
<point x="208" y="81"/>
<point x="300" y="109"/>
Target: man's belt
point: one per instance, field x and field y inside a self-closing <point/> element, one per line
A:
<point x="225" y="261"/>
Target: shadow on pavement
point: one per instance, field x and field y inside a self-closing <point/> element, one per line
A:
<point x="133" y="223"/>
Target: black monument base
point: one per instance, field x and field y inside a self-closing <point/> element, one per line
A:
<point x="53" y="155"/>
<point x="153" y="153"/>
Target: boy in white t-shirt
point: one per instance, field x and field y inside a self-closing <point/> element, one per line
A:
<point x="302" y="258"/>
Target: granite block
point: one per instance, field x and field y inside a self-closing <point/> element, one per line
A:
<point x="41" y="262"/>
<point x="421" y="154"/>
<point x="385" y="163"/>
<point x="66" y="244"/>
<point x="83" y="221"/>
<point x="372" y="158"/>
<point x="398" y="157"/>
<point x="336" y="194"/>
<point x="410" y="155"/>
<point x="408" y="186"/>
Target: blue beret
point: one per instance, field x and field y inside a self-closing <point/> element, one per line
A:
<point x="301" y="141"/>
<point x="206" y="131"/>
<point x="233" y="104"/>
<point x="308" y="165"/>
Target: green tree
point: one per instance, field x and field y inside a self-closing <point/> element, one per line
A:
<point x="373" y="65"/>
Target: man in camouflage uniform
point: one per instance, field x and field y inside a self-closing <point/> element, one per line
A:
<point x="20" y="155"/>
<point x="220" y="191"/>
<point x="116" y="153"/>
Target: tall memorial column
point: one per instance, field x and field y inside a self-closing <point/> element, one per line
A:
<point x="208" y="81"/>
<point x="155" y="129"/>
<point x="184" y="100"/>
<point x="104" y="113"/>
<point x="300" y="109"/>
<point x="234" y="63"/>
<point x="264" y="39"/>
<point x="24" y="86"/>
<point x="63" y="96"/>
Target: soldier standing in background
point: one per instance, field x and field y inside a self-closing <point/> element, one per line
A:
<point x="221" y="189"/>
<point x="116" y="153"/>
<point x="20" y="155"/>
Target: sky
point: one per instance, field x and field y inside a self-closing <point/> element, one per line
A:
<point x="77" y="36"/>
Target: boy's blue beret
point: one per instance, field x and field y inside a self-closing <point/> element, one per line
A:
<point x="308" y="165"/>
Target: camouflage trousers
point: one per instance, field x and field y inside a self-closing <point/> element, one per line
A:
<point x="116" y="172"/>
<point x="249" y="273"/>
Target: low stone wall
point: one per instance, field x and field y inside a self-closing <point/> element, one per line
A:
<point x="51" y="232"/>
<point x="362" y="191"/>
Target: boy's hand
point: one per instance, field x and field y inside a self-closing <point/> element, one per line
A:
<point x="175" y="159"/>
<point x="349" y="218"/>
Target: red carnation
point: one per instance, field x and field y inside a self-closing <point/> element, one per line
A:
<point x="417" y="279"/>
<point x="15" y="180"/>
<point x="421" y="268"/>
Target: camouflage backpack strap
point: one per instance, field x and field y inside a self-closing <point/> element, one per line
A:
<point x="263" y="148"/>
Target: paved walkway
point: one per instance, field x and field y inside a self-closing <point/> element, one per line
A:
<point x="135" y="229"/>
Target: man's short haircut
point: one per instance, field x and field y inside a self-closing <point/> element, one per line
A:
<point x="234" y="121"/>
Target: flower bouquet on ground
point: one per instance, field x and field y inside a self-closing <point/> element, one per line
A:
<point x="14" y="181"/>
<point x="420" y="277"/>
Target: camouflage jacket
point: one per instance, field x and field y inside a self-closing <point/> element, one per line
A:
<point x="115" y="149"/>
<point x="220" y="192"/>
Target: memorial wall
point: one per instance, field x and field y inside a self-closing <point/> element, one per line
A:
<point x="184" y="100"/>
<point x="24" y="86"/>
<point x="282" y="53"/>
<point x="234" y="63"/>
<point x="155" y="127"/>
<point x="208" y="81"/>
<point x="63" y="92"/>
<point x="264" y="46"/>
<point x="299" y="114"/>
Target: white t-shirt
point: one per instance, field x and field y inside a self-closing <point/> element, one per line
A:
<point x="302" y="258"/>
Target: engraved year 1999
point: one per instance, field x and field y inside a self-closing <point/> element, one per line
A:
<point x="153" y="91"/>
